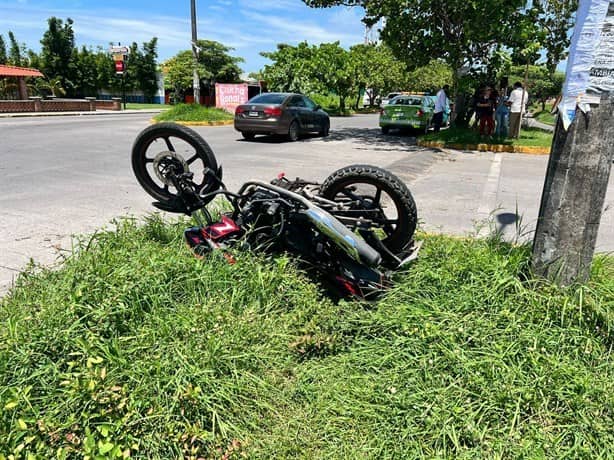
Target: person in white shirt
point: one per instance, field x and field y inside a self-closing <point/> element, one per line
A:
<point x="441" y="104"/>
<point x="517" y="103"/>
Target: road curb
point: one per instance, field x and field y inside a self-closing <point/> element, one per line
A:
<point x="76" y="114"/>
<point x="496" y="148"/>
<point x="199" y="123"/>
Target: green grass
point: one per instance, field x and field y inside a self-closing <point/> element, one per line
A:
<point x="542" y="115"/>
<point x="135" y="347"/>
<point x="138" y="106"/>
<point x="528" y="137"/>
<point x="193" y="112"/>
<point x="545" y="117"/>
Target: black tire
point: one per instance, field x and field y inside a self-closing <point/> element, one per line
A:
<point x="385" y="129"/>
<point x="294" y="131"/>
<point x="248" y="136"/>
<point x="400" y="238"/>
<point x="165" y="131"/>
<point x="325" y="131"/>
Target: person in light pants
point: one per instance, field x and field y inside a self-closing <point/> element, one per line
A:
<point x="517" y="103"/>
<point x="441" y="103"/>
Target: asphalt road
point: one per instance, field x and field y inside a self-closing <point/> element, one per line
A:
<point x="72" y="175"/>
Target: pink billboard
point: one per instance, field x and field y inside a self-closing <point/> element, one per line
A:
<point x="229" y="96"/>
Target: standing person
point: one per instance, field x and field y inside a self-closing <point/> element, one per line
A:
<point x="441" y="104"/>
<point x="485" y="111"/>
<point x="474" y="105"/>
<point x="517" y="103"/>
<point x="502" y="115"/>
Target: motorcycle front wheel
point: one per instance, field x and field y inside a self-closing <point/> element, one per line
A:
<point x="166" y="147"/>
<point x="380" y="198"/>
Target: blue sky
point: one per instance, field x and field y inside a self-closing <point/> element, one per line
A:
<point x="250" y="26"/>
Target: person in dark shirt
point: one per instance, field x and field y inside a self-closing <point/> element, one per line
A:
<point x="485" y="109"/>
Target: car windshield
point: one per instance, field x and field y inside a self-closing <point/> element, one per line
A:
<point x="267" y="99"/>
<point x="406" y="101"/>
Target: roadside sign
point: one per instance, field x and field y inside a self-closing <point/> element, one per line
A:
<point x="119" y="49"/>
<point x="229" y="96"/>
<point x="119" y="54"/>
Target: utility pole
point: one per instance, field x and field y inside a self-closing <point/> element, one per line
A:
<point x="581" y="157"/>
<point x="196" y="80"/>
<point x="574" y="194"/>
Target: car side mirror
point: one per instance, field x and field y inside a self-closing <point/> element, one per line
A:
<point x="316" y="108"/>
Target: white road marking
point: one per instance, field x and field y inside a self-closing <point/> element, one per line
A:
<point x="488" y="201"/>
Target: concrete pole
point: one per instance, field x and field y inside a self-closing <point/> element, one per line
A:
<point x="196" y="78"/>
<point x="574" y="195"/>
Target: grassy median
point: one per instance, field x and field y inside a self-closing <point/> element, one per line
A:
<point x="193" y="113"/>
<point x="465" y="136"/>
<point x="136" y="349"/>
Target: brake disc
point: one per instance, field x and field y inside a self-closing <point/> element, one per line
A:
<point x="164" y="161"/>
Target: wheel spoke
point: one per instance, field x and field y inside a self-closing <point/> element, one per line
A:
<point x="192" y="159"/>
<point x="378" y="196"/>
<point x="149" y="160"/>
<point x="168" y="144"/>
<point x="166" y="187"/>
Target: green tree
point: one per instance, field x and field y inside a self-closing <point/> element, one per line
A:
<point x="378" y="71"/>
<point x="541" y="29"/>
<point x="542" y="83"/>
<point x="215" y="65"/>
<point x="105" y="71"/>
<point x="147" y="70"/>
<point x="86" y="73"/>
<point x="219" y="66"/>
<point x="430" y="77"/>
<point x="292" y="69"/>
<point x="3" y="54"/>
<point x="33" y="59"/>
<point x="15" y="51"/>
<point x="335" y="71"/>
<point x="178" y="72"/>
<point x="57" y="52"/>
<point x="460" y="32"/>
<point x="53" y="86"/>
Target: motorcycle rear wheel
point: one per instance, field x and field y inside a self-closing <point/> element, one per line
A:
<point x="163" y="145"/>
<point x="361" y="188"/>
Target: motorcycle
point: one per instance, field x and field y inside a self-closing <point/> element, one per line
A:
<point x="354" y="229"/>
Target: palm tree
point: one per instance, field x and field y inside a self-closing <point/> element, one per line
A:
<point x="54" y="85"/>
<point x="8" y="88"/>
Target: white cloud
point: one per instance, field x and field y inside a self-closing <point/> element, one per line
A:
<point x="250" y="26"/>
<point x="293" y="30"/>
<point x="271" y="5"/>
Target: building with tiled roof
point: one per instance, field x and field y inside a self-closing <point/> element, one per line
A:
<point x="20" y="73"/>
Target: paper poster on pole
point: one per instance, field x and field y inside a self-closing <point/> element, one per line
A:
<point x="601" y="75"/>
<point x="588" y="54"/>
<point x="229" y="96"/>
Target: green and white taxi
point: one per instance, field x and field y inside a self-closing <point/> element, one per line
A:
<point x="409" y="112"/>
